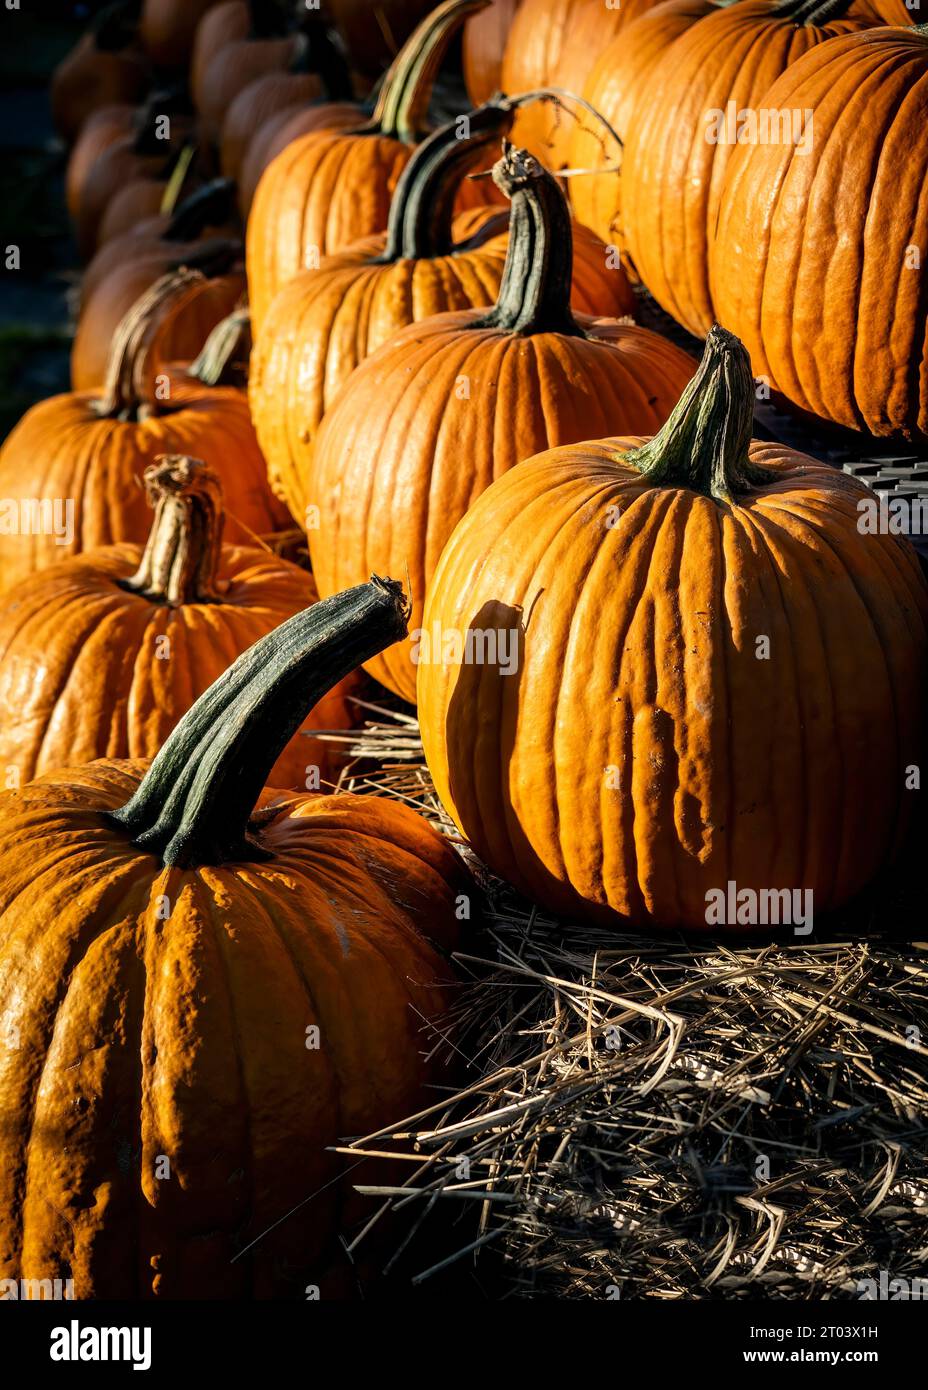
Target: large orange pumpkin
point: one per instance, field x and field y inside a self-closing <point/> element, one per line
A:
<point x="702" y="650"/>
<point x="678" y="147"/>
<point x="331" y="188"/>
<point x="199" y="1002"/>
<point x="616" y="79"/>
<point x="323" y="323"/>
<point x="819" y="260"/>
<point x="424" y="425"/>
<point x="102" y="654"/>
<point x="71" y="470"/>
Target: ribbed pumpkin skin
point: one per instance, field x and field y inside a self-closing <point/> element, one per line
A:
<point x="555" y="43"/>
<point x="402" y="454"/>
<point x="80" y="672"/>
<point x="638" y="655"/>
<point x="672" y="175"/>
<point x="114" y="295"/>
<point x="101" y="130"/>
<point x="62" y="449"/>
<point x="616" y="78"/>
<point x="256" y="103"/>
<point x="275" y="133"/>
<point x="140" y="1035"/>
<point x="483" y="45"/>
<point x="234" y="68"/>
<point x="326" y="321"/>
<point x="115" y="167"/>
<point x="167" y="29"/>
<point x="225" y="23"/>
<point x="89" y="78"/>
<point x="816" y="282"/>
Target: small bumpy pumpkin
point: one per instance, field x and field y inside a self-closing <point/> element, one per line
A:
<point x="332" y="187"/>
<point x="704" y="649"/>
<point x="325" y="322"/>
<point x="102" y="654"/>
<point x="71" y="470"/>
<point x="818" y="261"/>
<point x="166" y="957"/>
<point x="424" y="425"/>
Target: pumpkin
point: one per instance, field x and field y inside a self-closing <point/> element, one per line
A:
<point x="323" y="323"/>
<point x="678" y="147"/>
<point x="331" y="188"/>
<point x="182" y="329"/>
<point x="483" y="43"/>
<point x="554" y="43"/>
<point x="270" y="47"/>
<point x="166" y="957"/>
<point x="375" y="38"/>
<point x="104" y="68"/>
<point x="424" y="425"/>
<point x="684" y="708"/>
<point x="222" y="24"/>
<point x="816" y="257"/>
<point x="889" y="11"/>
<point x="102" y="654"/>
<point x="615" y="81"/>
<point x="167" y="29"/>
<point x="273" y="136"/>
<point x="70" y="471"/>
<point x="100" y="130"/>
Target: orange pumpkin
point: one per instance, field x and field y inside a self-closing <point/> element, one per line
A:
<point x="375" y="38"/>
<point x="618" y="77"/>
<point x="105" y="68"/>
<point x="816" y="259"/>
<point x="278" y="131"/>
<point x="326" y="321"/>
<point x="100" y="130"/>
<point x="222" y="24"/>
<point x="331" y="188"/>
<point x="554" y="43"/>
<point x="682" y="712"/>
<point x="424" y="425"/>
<point x="167" y="29"/>
<point x="678" y="148"/>
<point x="483" y="44"/>
<point x="269" y="47"/>
<point x="169" y="961"/>
<point x="70" y="471"/>
<point x="102" y="654"/>
<point x="182" y="329"/>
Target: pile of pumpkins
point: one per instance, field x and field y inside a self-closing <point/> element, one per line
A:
<point x="652" y="655"/>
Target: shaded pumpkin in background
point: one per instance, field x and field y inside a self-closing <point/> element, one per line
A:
<point x="143" y="1035"/>
<point x="374" y="34"/>
<point x="815" y="259"/>
<point x="483" y="44"/>
<point x="331" y="188"/>
<point x="80" y="674"/>
<point x="325" y="322"/>
<point x="94" y="448"/>
<point x="672" y="172"/>
<point x="167" y="29"/>
<point x="424" y="425"/>
<point x="101" y="129"/>
<point x="105" y="67"/>
<point x="278" y="131"/>
<point x="222" y="24"/>
<point x="616" y="80"/>
<point x="182" y="330"/>
<point x="640" y="756"/>
<point x="270" y="46"/>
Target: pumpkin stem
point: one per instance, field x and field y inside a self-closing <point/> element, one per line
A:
<point x="223" y="358"/>
<point x="704" y="444"/>
<point x="422" y="209"/>
<point x="407" y="89"/>
<point x="534" y="295"/>
<point x="209" y="206"/>
<point x="181" y="556"/>
<point x="129" y="391"/>
<point x="806" y="12"/>
<point x="195" y="804"/>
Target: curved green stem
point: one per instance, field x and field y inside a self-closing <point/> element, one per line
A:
<point x="128" y="392"/>
<point x="195" y="804"/>
<point x="223" y="358"/>
<point x="422" y="210"/>
<point x="704" y="444"/>
<point x="534" y="296"/>
<point x="407" y="90"/>
<point x="807" y="12"/>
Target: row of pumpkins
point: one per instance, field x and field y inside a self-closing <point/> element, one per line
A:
<point x="209" y="974"/>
